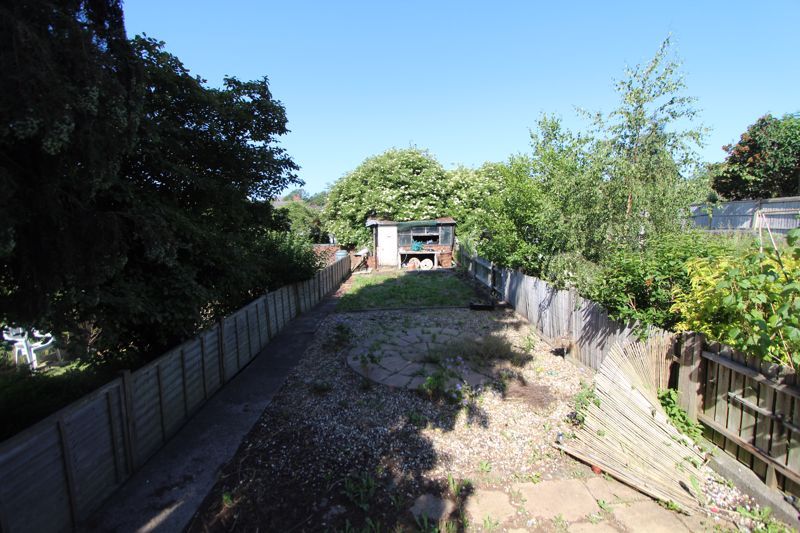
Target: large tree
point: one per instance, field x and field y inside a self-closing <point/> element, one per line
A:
<point x="396" y="185"/>
<point x="765" y="163"/>
<point x="69" y="108"/>
<point x="196" y="196"/>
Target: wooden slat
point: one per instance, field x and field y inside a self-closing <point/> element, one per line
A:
<point x="735" y="419"/>
<point x="750" y="448"/>
<point x="752" y="374"/>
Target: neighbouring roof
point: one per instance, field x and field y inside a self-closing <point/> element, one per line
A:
<point x="442" y="221"/>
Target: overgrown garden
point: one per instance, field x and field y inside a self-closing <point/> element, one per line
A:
<point x="604" y="210"/>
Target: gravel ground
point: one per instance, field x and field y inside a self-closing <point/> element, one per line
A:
<point x="334" y="448"/>
<point x="336" y="452"/>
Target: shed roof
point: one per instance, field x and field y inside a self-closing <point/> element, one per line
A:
<point x="441" y="221"/>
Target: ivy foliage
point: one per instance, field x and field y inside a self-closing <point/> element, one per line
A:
<point x="749" y="302"/>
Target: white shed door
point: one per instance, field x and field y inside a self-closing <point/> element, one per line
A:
<point x="387" y="245"/>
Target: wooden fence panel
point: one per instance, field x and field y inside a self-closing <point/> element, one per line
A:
<point x="194" y="384"/>
<point x="272" y="306"/>
<point x="34" y="492"/>
<point x="243" y="341"/>
<point x="230" y="341"/>
<point x="93" y="434"/>
<point x="68" y="463"/>
<point x="214" y="379"/>
<point x="146" y="403"/>
<point x="173" y="409"/>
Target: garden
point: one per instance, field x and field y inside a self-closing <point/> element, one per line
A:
<point x="430" y="419"/>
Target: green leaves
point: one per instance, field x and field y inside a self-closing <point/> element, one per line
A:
<point x="749" y="302"/>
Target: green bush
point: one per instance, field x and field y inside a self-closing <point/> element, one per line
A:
<point x="639" y="285"/>
<point x="750" y="302"/>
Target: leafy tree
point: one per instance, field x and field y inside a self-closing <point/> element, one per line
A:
<point x="296" y="194"/>
<point x="305" y="221"/>
<point x="319" y="199"/>
<point x="469" y="194"/>
<point x="69" y="100"/>
<point x="627" y="182"/>
<point x="195" y="194"/>
<point x="397" y="185"/>
<point x="765" y="163"/>
<point x="651" y="151"/>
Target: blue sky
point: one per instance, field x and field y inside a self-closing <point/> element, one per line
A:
<point x="467" y="80"/>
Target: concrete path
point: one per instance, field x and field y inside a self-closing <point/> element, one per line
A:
<point x="166" y="492"/>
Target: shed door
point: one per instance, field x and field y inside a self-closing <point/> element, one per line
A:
<point x="387" y="245"/>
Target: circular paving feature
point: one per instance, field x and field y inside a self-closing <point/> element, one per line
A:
<point x="407" y="357"/>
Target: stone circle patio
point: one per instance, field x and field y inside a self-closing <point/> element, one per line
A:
<point x="406" y="357"/>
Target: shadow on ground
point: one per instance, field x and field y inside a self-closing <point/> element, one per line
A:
<point x="337" y="452"/>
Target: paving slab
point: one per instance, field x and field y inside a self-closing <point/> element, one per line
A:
<point x="432" y="507"/>
<point x="567" y="497"/>
<point x="492" y="503"/>
<point x="648" y="516"/>
<point x="612" y="491"/>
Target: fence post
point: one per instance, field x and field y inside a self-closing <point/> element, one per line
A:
<point x="69" y="471"/>
<point x="128" y="425"/>
<point x="297" y="304"/>
<point x="221" y="337"/>
<point x="691" y="373"/>
<point x="266" y="316"/>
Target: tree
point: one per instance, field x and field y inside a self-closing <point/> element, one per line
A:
<point x="305" y="221"/>
<point x="651" y="148"/>
<point x="296" y="194"/>
<point x="625" y="183"/>
<point x="196" y="197"/>
<point x="396" y="185"/>
<point x="69" y="100"/>
<point x="765" y="163"/>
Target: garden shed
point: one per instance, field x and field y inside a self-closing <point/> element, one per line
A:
<point x="414" y="244"/>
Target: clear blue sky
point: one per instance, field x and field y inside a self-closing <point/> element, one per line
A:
<point x="467" y="80"/>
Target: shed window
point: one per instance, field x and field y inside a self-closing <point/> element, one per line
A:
<point x="446" y="235"/>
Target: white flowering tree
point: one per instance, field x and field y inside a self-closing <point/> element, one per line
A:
<point x="404" y="184"/>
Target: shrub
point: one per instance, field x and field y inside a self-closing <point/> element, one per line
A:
<point x="639" y="285"/>
<point x="748" y="302"/>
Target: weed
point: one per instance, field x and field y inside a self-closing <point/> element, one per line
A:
<point x="426" y="525"/>
<point x="227" y="500"/>
<point x="485" y="467"/>
<point x="560" y="523"/>
<point x="594" y="518"/>
<point x="671" y="505"/>
<point x="417" y="419"/>
<point x="530" y="343"/>
<point x="677" y="416"/>
<point x="360" y="490"/>
<point x="320" y="387"/>
<point x="604" y="506"/>
<point x="365" y="384"/>
<point x="342" y="336"/>
<point x="762" y="520"/>
<point x="457" y="486"/>
<point x="583" y="400"/>
<point x="490" y="524"/>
